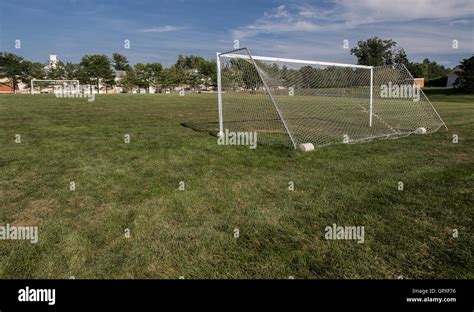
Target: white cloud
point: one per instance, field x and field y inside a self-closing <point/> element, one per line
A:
<point x="367" y="11"/>
<point x="278" y="20"/>
<point x="161" y="29"/>
<point x="348" y="14"/>
<point x="424" y="28"/>
<point x="279" y="12"/>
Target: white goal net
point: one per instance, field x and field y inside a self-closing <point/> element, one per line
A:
<point x="62" y="86"/>
<point x="292" y="102"/>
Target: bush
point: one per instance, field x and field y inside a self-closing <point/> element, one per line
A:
<point x="466" y="79"/>
<point x="437" y="82"/>
<point x="440" y="90"/>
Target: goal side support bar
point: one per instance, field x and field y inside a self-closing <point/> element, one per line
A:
<point x="421" y="91"/>
<point x="219" y="96"/>
<point x="371" y="100"/>
<point x="274" y="103"/>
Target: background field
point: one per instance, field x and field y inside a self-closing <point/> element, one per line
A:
<point x="407" y="233"/>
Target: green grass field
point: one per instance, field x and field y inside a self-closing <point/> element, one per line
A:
<point x="190" y="233"/>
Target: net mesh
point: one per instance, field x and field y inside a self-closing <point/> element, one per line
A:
<point x="291" y="103"/>
<point x="55" y="86"/>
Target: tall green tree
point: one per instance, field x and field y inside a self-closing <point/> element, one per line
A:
<point x="427" y="69"/>
<point x="57" y="71"/>
<point x="189" y="62"/>
<point x="246" y="74"/>
<point x="120" y="62"/>
<point x="208" y="70"/>
<point x="143" y="76"/>
<point x="400" y="57"/>
<point x="176" y="76"/>
<point x="155" y="71"/>
<point x="34" y="70"/>
<point x="130" y="80"/>
<point x="374" y="52"/>
<point x="466" y="75"/>
<point x="181" y="61"/>
<point x="95" y="69"/>
<point x="165" y="78"/>
<point x="14" y="68"/>
<point x="71" y="71"/>
<point x="193" y="77"/>
<point x="147" y="75"/>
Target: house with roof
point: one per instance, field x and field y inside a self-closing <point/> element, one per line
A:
<point x="453" y="76"/>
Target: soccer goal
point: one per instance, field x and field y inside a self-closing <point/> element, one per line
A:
<point x="59" y="86"/>
<point x="299" y="103"/>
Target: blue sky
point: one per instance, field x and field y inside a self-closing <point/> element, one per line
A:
<point x="160" y="30"/>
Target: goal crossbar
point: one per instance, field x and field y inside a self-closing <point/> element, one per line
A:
<point x="279" y="59"/>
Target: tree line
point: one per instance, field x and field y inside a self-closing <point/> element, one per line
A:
<point x="377" y="52"/>
<point x="97" y="69"/>
<point x="239" y="73"/>
<point x="193" y="71"/>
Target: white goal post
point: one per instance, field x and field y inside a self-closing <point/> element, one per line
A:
<point x="62" y="83"/>
<point x="293" y="102"/>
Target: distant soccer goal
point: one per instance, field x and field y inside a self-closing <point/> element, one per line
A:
<point x="60" y="86"/>
<point x="298" y="102"/>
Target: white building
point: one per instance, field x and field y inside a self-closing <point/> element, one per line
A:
<point x="53" y="61"/>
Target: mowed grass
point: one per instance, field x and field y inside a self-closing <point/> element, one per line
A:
<point x="190" y="233"/>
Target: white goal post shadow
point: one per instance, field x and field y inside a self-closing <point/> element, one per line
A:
<point x="233" y="55"/>
<point x="51" y="80"/>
